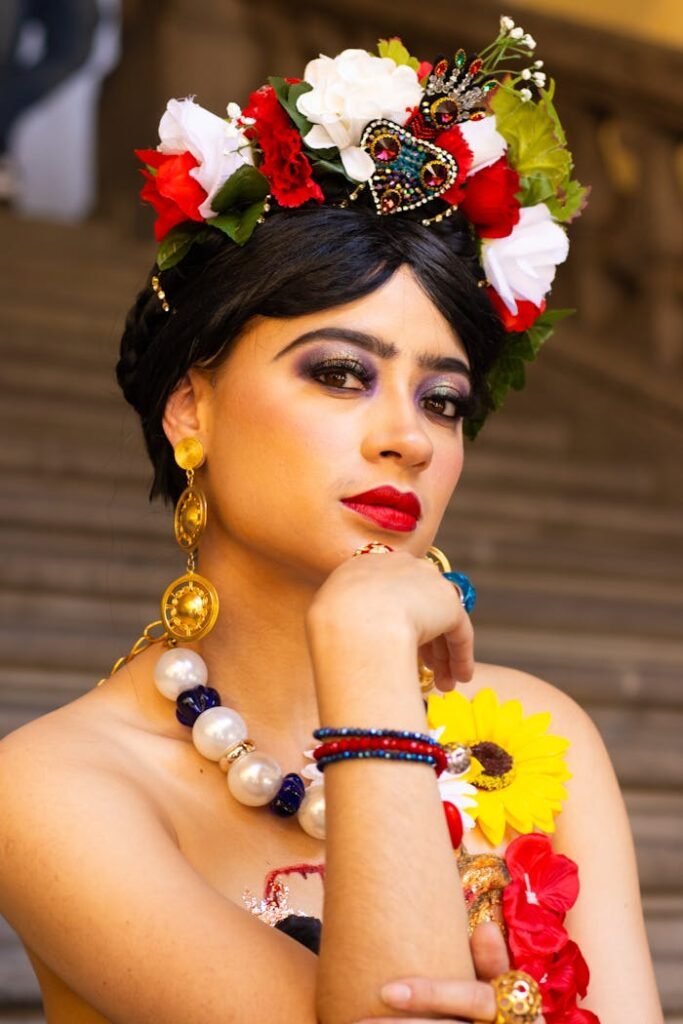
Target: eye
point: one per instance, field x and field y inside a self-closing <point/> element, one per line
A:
<point x="448" y="405"/>
<point x="333" y="373"/>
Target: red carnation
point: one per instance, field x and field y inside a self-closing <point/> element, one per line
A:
<point x="284" y="164"/>
<point x="490" y="201"/>
<point x="544" y="887"/>
<point x="453" y="141"/>
<point x="172" y="191"/>
<point x="526" y="315"/>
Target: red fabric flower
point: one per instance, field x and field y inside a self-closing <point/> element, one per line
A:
<point x="526" y="315"/>
<point x="574" y="1015"/>
<point x="285" y="166"/>
<point x="543" y="887"/>
<point x="173" y="193"/>
<point x="562" y="978"/>
<point x="424" y="68"/>
<point x="490" y="201"/>
<point x="453" y="141"/>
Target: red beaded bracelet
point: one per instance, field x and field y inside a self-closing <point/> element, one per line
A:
<point x="355" y="743"/>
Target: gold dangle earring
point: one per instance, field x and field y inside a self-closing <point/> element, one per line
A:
<point x="436" y="556"/>
<point x="189" y="607"/>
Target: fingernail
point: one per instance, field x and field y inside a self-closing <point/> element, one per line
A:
<point x="396" y="992"/>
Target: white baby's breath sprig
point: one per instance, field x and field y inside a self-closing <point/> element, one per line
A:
<point x="506" y="23"/>
<point x="537" y="64"/>
<point x="525" y="95"/>
<point x="539" y="79"/>
<point x="517" y="32"/>
<point x="526" y="74"/>
<point x="529" y="41"/>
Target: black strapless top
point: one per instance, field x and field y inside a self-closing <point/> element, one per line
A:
<point x="305" y="930"/>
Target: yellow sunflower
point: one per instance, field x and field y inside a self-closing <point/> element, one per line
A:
<point x="517" y="768"/>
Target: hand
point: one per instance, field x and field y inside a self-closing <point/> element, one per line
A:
<point x="374" y="596"/>
<point x="455" y="1002"/>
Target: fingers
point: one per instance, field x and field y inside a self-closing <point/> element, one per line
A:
<point x="489" y="951"/>
<point x="473" y="1000"/>
<point x="460" y="643"/>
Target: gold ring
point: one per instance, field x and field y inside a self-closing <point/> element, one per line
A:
<point x="373" y="548"/>
<point x="518" y="998"/>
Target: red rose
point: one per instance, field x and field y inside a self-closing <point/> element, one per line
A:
<point x="173" y="193"/>
<point x="453" y="141"/>
<point x="527" y="313"/>
<point x="544" y="887"/>
<point x="562" y="978"/>
<point x="284" y="164"/>
<point x="490" y="201"/>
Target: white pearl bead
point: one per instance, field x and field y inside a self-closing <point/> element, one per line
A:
<point x="177" y="670"/>
<point x="254" y="779"/>
<point x="311" y="814"/>
<point x="216" y="729"/>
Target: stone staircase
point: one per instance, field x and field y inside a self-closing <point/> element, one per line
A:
<point x="568" y="518"/>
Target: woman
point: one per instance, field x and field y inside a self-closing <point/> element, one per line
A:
<point x="329" y="347"/>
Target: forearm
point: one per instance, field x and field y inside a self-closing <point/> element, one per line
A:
<point x="393" y="903"/>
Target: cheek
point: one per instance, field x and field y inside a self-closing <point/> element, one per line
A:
<point x="446" y="467"/>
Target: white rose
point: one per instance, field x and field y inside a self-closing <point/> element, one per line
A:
<point x="219" y="147"/>
<point x="349" y="91"/>
<point x="522" y="265"/>
<point x="485" y="141"/>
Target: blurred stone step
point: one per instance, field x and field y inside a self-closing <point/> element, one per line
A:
<point x="509" y="548"/>
<point x="575" y="513"/>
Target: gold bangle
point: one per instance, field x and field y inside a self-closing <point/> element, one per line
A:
<point x="518" y="998"/>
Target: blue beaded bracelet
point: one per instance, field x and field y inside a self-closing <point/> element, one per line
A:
<point x="389" y="755"/>
<point x="395" y="734"/>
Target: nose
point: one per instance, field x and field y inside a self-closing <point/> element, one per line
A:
<point x="396" y="430"/>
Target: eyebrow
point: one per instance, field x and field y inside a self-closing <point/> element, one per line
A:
<point x="378" y="347"/>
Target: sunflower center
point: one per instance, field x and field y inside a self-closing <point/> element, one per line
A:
<point x="498" y="765"/>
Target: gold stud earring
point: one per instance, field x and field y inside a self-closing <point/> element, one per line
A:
<point x="189" y="606"/>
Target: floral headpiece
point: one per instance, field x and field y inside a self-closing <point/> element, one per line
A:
<point x="477" y="134"/>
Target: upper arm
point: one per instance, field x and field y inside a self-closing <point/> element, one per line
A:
<point x="95" y="885"/>
<point x="607" y="920"/>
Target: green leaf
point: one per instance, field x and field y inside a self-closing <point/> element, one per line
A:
<point x="239" y="224"/>
<point x="535" y="139"/>
<point x="543" y="327"/>
<point x="288" y="94"/>
<point x="395" y="49"/>
<point x="322" y="167"/>
<point x="243" y="188"/>
<point x="535" y="189"/>
<point x="570" y="203"/>
<point x="175" y="245"/>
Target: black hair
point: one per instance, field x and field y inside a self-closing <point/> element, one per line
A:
<point x="297" y="262"/>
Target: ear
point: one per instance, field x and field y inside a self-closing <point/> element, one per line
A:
<point x="185" y="414"/>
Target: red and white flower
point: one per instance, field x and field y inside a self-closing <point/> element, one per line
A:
<point x="485" y="141"/>
<point x="522" y="265"/>
<point x="219" y="146"/>
<point x="349" y="91"/>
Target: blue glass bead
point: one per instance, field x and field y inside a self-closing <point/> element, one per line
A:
<point x="289" y="796"/>
<point x="469" y="594"/>
<point x="191" y="703"/>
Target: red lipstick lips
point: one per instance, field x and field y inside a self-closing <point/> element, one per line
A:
<point x="387" y="507"/>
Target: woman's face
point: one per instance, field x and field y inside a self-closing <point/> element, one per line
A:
<point x="308" y="411"/>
